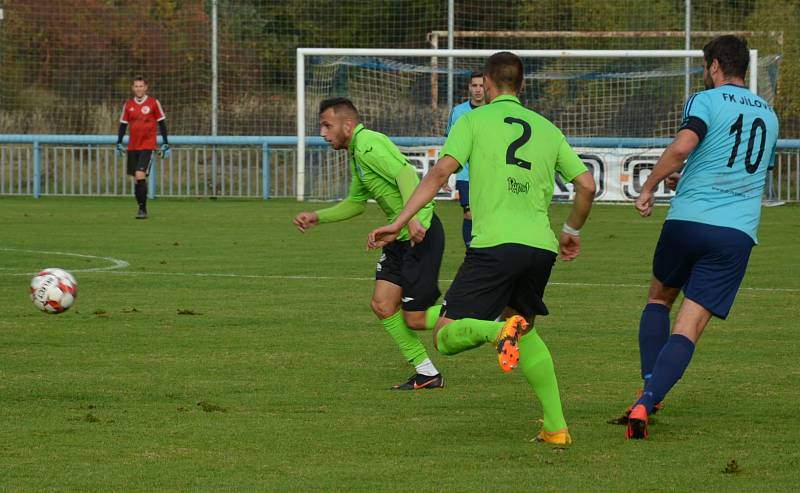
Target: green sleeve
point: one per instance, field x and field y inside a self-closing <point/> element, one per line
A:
<point x="459" y="142"/>
<point x="406" y="182"/>
<point x="353" y="205"/>
<point x="568" y="164"/>
<point x="345" y="209"/>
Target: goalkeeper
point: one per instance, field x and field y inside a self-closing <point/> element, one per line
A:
<point x="408" y="270"/>
<point x="142" y="113"/>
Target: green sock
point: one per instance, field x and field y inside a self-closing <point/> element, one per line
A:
<point x="466" y="333"/>
<point x="406" y="339"/>
<point x="537" y="365"/>
<point x="432" y="316"/>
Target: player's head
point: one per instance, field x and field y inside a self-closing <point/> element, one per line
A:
<point x="139" y="86"/>
<point x="338" y="118"/>
<point x="725" y="59"/>
<point x="502" y="75"/>
<point x="476" y="93"/>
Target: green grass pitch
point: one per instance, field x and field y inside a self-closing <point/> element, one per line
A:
<point x="235" y="354"/>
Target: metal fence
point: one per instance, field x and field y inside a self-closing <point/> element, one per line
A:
<point x="248" y="167"/>
<point x="236" y="167"/>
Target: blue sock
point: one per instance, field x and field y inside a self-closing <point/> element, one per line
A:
<point x="670" y="365"/>
<point x="466" y="231"/>
<point x="653" y="334"/>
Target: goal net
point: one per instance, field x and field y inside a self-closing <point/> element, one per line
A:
<point x="607" y="98"/>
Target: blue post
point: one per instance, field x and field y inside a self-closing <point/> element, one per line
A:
<point x="151" y="182"/>
<point x="265" y="170"/>
<point x="37" y="171"/>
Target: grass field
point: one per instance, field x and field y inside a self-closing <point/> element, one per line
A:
<point x="234" y="354"/>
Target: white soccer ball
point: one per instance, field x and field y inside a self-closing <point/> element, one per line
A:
<point x="53" y="290"/>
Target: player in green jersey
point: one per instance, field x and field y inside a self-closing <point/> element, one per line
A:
<point x="513" y="156"/>
<point x="408" y="270"/>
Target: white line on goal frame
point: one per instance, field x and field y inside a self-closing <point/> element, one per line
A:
<point x="433" y="53"/>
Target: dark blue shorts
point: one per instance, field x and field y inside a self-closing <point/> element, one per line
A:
<point x="707" y="262"/>
<point x="462" y="186"/>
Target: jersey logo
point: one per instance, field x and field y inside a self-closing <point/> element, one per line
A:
<point x="368" y="150"/>
<point x="145" y="110"/>
<point x="517" y="187"/>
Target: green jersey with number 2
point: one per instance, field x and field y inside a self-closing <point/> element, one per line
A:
<point x="513" y="154"/>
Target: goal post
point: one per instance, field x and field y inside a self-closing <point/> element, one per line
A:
<point x="423" y="62"/>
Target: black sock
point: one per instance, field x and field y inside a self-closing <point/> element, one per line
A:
<point x="140" y="191"/>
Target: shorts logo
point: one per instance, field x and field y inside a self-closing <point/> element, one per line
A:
<point x="379" y="266"/>
<point x="406" y="299"/>
<point x="145" y="110"/>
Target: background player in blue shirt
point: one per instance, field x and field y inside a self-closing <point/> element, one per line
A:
<point x="476" y="98"/>
<point x="729" y="136"/>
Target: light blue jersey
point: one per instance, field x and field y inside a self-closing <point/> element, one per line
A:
<point x="724" y="176"/>
<point x="456" y="113"/>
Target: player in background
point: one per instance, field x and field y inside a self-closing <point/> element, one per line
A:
<point x="462" y="178"/>
<point x="142" y="113"/>
<point x="408" y="271"/>
<point x="727" y="141"/>
<point x="514" y="154"/>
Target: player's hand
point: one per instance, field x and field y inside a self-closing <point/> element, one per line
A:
<point x="120" y="150"/>
<point x="569" y="246"/>
<point x="644" y="204"/>
<point x="306" y="220"/>
<point x="166" y="152"/>
<point x="416" y="231"/>
<point x="672" y="181"/>
<point x="447" y="188"/>
<point x="382" y="236"/>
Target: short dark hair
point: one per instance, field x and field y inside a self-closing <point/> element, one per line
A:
<point x="731" y="52"/>
<point x="338" y="104"/>
<point x="475" y="74"/>
<point x="139" y="78"/>
<point x="505" y="70"/>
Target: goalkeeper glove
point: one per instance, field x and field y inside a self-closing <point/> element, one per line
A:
<point x="120" y="150"/>
<point x="165" y="151"/>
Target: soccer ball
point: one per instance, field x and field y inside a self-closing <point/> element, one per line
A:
<point x="53" y="290"/>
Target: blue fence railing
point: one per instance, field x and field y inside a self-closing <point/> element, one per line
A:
<point x="241" y="166"/>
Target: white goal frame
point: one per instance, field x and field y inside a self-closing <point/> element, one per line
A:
<point x="302" y="53"/>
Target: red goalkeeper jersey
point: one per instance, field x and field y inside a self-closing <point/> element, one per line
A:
<point x="142" y="118"/>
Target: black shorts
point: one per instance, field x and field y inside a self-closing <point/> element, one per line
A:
<point x="139" y="161"/>
<point x="493" y="278"/>
<point x="415" y="269"/>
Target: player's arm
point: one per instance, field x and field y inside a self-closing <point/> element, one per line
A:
<point x="354" y="204"/>
<point x="455" y="151"/>
<point x="162" y="129"/>
<point x="424" y="193"/>
<point x="671" y="161"/>
<point x="570" y="166"/>
<point x="449" y="121"/>
<point x="406" y="180"/>
<point x="123" y="128"/>
<point x="569" y="242"/>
